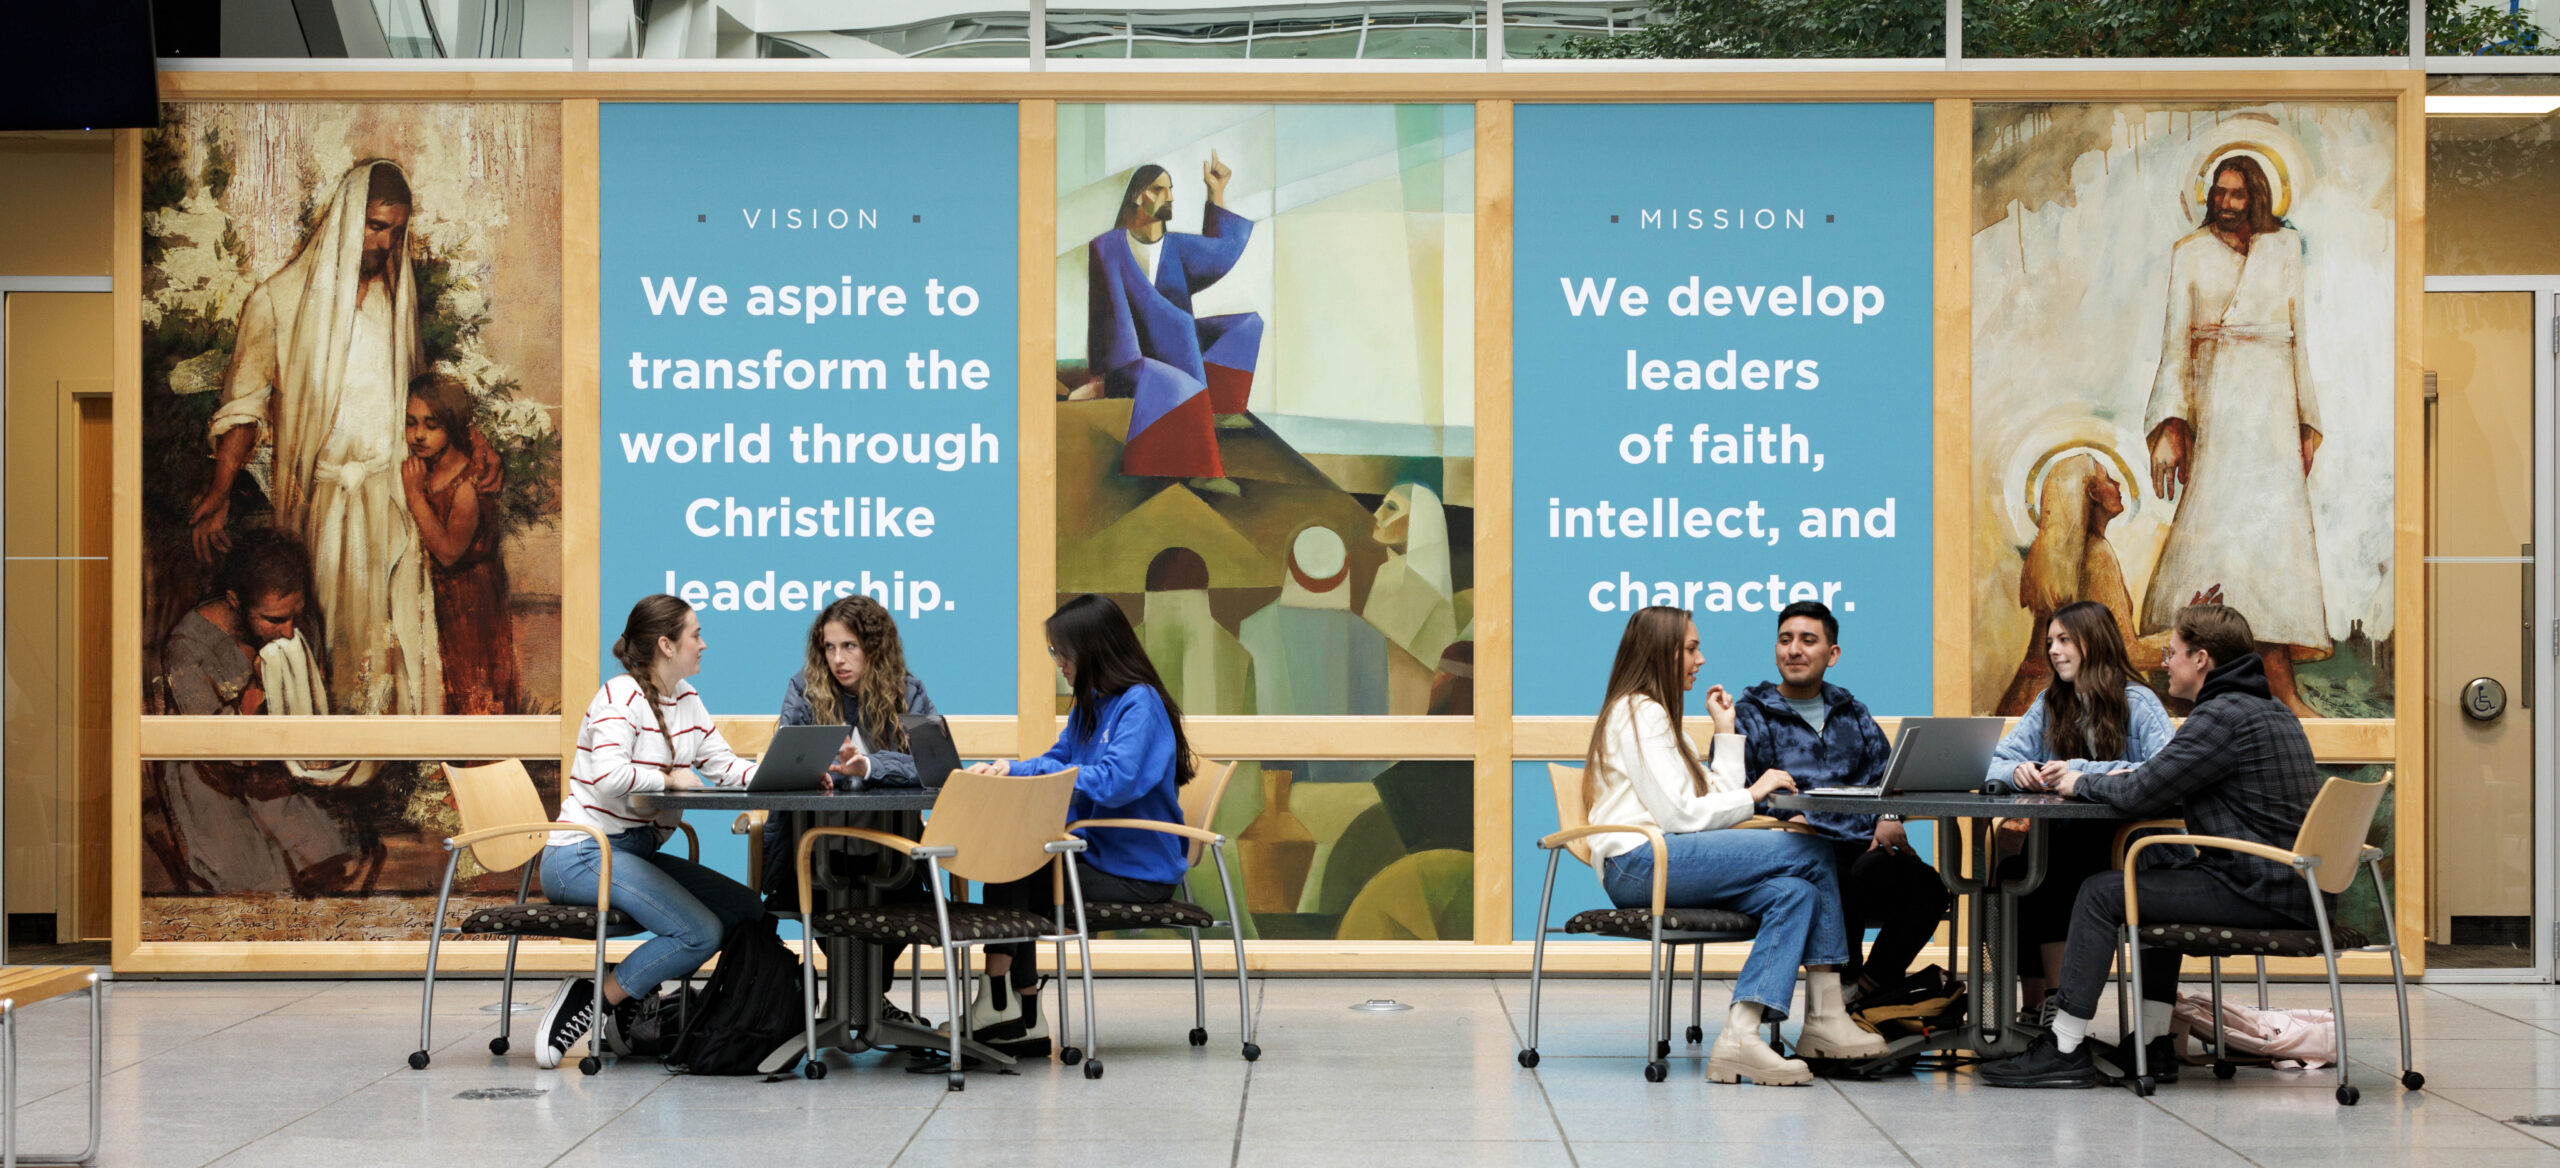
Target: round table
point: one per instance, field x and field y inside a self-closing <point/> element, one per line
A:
<point x="1990" y="904"/>
<point x="851" y="1019"/>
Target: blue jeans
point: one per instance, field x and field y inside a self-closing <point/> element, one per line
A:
<point x="1782" y="877"/>
<point x="690" y="908"/>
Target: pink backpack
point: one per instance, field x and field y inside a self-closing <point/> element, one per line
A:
<point x="2288" y="1038"/>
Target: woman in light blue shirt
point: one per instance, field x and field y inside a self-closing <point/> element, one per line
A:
<point x="2094" y="718"/>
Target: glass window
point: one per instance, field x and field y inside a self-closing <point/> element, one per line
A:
<point x="841" y="30"/>
<point x="2493" y="179"/>
<point x="1723" y="29"/>
<point x="1278" y="32"/>
<point x="2149" y="28"/>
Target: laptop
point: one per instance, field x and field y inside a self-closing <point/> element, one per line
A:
<point x="797" y="759"/>
<point x="1931" y="754"/>
<point x="929" y="743"/>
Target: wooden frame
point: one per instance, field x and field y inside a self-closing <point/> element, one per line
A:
<point x="1494" y="738"/>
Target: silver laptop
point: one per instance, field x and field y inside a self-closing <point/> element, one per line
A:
<point x="1932" y="754"/>
<point x="797" y="759"/>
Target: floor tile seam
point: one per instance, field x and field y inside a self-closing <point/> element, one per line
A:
<point x="1519" y="1041"/>
<point x="1244" y="1094"/>
<point x="108" y="1071"/>
<point x="612" y="1119"/>
<point x="2391" y="1082"/>
<point x="1889" y="1138"/>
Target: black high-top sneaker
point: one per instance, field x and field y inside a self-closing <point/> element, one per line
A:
<point x="572" y="1014"/>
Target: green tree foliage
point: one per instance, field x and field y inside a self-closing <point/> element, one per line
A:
<point x="2060" y="28"/>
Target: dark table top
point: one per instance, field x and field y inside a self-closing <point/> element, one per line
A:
<point x="1953" y="804"/>
<point x="739" y="799"/>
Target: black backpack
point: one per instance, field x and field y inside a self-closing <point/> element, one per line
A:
<point x="748" y="1020"/>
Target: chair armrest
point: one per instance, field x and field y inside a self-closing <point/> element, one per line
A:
<point x="749" y="822"/>
<point x="1181" y="829"/>
<point x="604" y="852"/>
<point x="2368" y="854"/>
<point x="809" y="842"/>
<point x="692" y="842"/>
<point x="1653" y="837"/>
<point x="2295" y="860"/>
<point x="2124" y="835"/>
<point x="1064" y="844"/>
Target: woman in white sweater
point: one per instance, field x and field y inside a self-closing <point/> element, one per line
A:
<point x="1642" y="770"/>
<point x="645" y="731"/>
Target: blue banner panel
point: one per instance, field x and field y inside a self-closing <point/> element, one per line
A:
<point x="1721" y="378"/>
<point x="809" y="385"/>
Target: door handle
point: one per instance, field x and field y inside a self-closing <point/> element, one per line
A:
<point x="2524" y="671"/>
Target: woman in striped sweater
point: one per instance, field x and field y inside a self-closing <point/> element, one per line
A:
<point x="645" y="731"/>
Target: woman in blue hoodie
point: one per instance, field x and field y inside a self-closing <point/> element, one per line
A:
<point x="1125" y="738"/>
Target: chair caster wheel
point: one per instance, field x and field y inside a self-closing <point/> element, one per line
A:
<point x="2145" y="1085"/>
<point x="954" y="1083"/>
<point x="1252" y="1053"/>
<point x="590" y="1065"/>
<point x="1662" y="1048"/>
<point x="417" y="1060"/>
<point x="1529" y="1058"/>
<point x="2413" y="1081"/>
<point x="1070" y="1055"/>
<point x="813" y="1070"/>
<point x="2347" y="1095"/>
<point x="1656" y="1071"/>
<point x="1696" y="1035"/>
<point x="1093" y="1069"/>
<point x="1199" y="1037"/>
<point x="2224" y="1070"/>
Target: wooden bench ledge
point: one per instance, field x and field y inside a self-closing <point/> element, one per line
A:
<point x="25" y="985"/>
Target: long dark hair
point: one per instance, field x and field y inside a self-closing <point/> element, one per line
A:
<point x="881" y="695"/>
<point x="1648" y="665"/>
<point x="1139" y="180"/>
<point x="637" y="649"/>
<point x="2090" y="712"/>
<point x="1091" y="633"/>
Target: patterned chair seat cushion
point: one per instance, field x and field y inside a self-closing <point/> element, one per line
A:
<point x="1637" y="923"/>
<point x="2236" y="941"/>
<point x="914" y="924"/>
<point x="1171" y="914"/>
<point x="544" y="919"/>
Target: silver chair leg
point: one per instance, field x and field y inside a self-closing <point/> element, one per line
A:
<point x="1199" y="988"/>
<point x="2337" y="997"/>
<point x="1084" y="961"/>
<point x="507" y="979"/>
<point x="2262" y="981"/>
<point x="8" y="1087"/>
<point x="1235" y="931"/>
<point x="2221" y="1053"/>
<point x="811" y="1067"/>
<point x="2409" y="1076"/>
<point x="1657" y="1004"/>
<point x="1697" y="992"/>
<point x="1538" y="956"/>
<point x="2133" y="966"/>
<point x="427" y="994"/>
<point x="952" y="957"/>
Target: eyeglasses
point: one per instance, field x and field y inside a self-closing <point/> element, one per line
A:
<point x="1055" y="655"/>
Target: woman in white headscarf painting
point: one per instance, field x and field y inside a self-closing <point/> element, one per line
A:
<point x="1413" y="599"/>
<point x="326" y="349"/>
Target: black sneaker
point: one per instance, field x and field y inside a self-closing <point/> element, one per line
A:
<point x="2160" y="1055"/>
<point x="572" y="1013"/>
<point x="615" y="1034"/>
<point x="2043" y="1065"/>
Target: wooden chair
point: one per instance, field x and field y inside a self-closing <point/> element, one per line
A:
<point x="504" y="826"/>
<point x="22" y="986"/>
<point x="987" y="828"/>
<point x="1200" y="799"/>
<point x="2326" y="852"/>
<point x="1664" y="928"/>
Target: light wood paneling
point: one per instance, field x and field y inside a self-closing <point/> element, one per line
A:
<point x="1951" y="520"/>
<point x="2409" y="543"/>
<point x="1493" y="619"/>
<point x="1598" y="86"/>
<point x="2333" y="740"/>
<point x="93" y="751"/>
<point x="125" y="658"/>
<point x="581" y="420"/>
<point x="1035" y="440"/>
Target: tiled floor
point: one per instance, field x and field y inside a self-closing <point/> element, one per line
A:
<point x="312" y="1073"/>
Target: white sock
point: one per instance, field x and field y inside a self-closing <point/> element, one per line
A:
<point x="2068" y="1030"/>
<point x="2155" y="1020"/>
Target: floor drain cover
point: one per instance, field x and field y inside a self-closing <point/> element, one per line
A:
<point x="502" y="1093"/>
<point x="1381" y="1006"/>
<point x="2537" y="1120"/>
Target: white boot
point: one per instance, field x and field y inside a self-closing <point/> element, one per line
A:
<point x="986" y="1011"/>
<point x="1829" y="1032"/>
<point x="1740" y="1053"/>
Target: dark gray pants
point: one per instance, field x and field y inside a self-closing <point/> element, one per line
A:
<point x="2169" y="895"/>
<point x="1033" y="894"/>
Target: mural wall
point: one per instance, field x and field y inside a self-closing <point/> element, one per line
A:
<point x="351" y="477"/>
<point x="1266" y="397"/>
<point x="2182" y="379"/>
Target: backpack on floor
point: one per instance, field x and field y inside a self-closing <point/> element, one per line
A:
<point x="657" y="1022"/>
<point x="2286" y="1038"/>
<point x="1927" y="1002"/>
<point x="747" y="1020"/>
